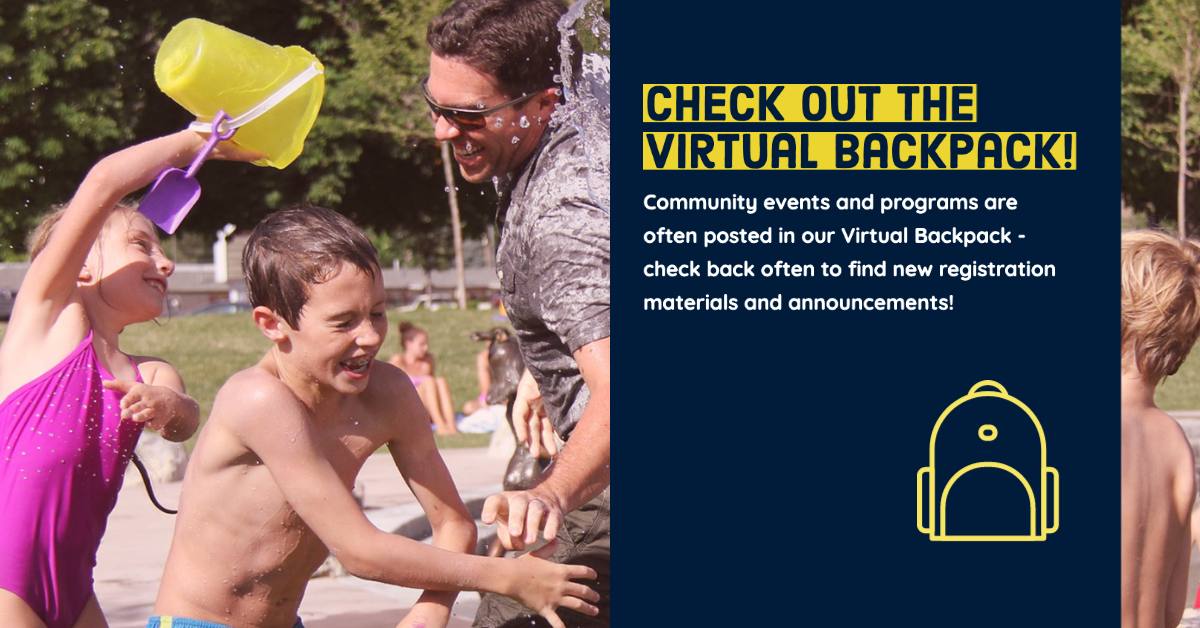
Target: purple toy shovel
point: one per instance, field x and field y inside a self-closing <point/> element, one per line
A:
<point x="175" y="192"/>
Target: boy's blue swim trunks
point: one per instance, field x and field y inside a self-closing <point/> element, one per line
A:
<point x="165" y="621"/>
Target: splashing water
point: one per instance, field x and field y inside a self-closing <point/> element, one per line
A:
<point x="585" y="50"/>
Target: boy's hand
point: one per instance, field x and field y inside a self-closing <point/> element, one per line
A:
<point x="155" y="406"/>
<point x="545" y="586"/>
<point x="530" y="421"/>
<point x="520" y="515"/>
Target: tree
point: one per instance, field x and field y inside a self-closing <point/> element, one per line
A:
<point x="59" y="102"/>
<point x="1160" y="62"/>
<point x="77" y="82"/>
<point x="376" y="92"/>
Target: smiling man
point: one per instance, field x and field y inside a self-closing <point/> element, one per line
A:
<point x="491" y="92"/>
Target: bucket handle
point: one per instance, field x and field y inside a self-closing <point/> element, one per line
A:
<point x="289" y="88"/>
<point x="987" y="382"/>
<point x="213" y="138"/>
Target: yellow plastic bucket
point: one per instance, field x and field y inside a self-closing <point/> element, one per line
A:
<point x="209" y="68"/>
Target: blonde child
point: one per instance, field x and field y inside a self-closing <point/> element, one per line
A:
<point x="73" y="403"/>
<point x="1160" y="321"/>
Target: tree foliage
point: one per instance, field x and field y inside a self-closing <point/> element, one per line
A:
<point x="1160" y="73"/>
<point x="376" y="110"/>
<point x="76" y="83"/>
<point x="59" y="102"/>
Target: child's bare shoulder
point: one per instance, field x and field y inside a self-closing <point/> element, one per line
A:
<point x="150" y="367"/>
<point x="1161" y="440"/>
<point x="1168" y="429"/>
<point x="1176" y="452"/>
<point x="1178" y="448"/>
<point x="251" y="394"/>
<point x="255" y="384"/>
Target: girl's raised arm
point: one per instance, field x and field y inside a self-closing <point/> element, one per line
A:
<point x="51" y="279"/>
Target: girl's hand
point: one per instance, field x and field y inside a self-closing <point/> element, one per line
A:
<point x="232" y="152"/>
<point x="225" y="150"/>
<point x="156" y="406"/>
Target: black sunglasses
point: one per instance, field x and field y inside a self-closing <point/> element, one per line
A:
<point x="467" y="118"/>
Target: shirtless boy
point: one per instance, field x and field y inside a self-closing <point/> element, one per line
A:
<point x="1160" y="321"/>
<point x="267" y="495"/>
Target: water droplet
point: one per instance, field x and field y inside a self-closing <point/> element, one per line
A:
<point x="524" y="122"/>
<point x="516" y="139"/>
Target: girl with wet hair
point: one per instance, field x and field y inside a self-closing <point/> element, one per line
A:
<point x="73" y="403"/>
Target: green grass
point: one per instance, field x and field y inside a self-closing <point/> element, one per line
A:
<point x="1136" y="221"/>
<point x="1181" y="391"/>
<point x="208" y="349"/>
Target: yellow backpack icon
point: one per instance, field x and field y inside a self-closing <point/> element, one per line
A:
<point x="973" y="450"/>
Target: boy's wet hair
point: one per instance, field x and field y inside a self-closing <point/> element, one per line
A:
<point x="516" y="41"/>
<point x="1160" y="302"/>
<point x="297" y="247"/>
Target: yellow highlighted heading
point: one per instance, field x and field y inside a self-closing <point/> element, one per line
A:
<point x="808" y="103"/>
<point x="860" y="151"/>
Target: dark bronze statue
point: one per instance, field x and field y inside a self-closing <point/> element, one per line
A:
<point x="505" y="367"/>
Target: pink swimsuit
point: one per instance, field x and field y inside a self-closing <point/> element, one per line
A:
<point x="63" y="452"/>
